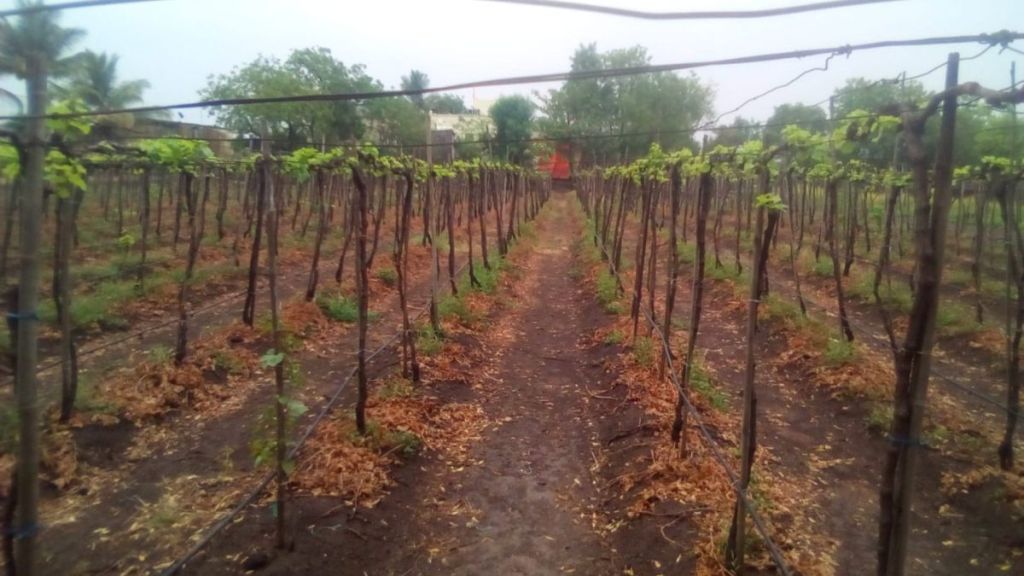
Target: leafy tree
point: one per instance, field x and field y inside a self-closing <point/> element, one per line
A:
<point x="445" y="104"/>
<point x="416" y="80"/>
<point x="875" y="97"/>
<point x="36" y="33"/>
<point x="513" y="121"/>
<point x="740" y="131"/>
<point x="810" y="118"/>
<point x="94" y="81"/>
<point x="634" y="111"/>
<point x="310" y="71"/>
<point x="318" y="68"/>
<point x="396" y="121"/>
<point x="982" y="132"/>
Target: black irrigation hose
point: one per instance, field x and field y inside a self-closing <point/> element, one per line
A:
<point x="224" y="300"/>
<point x="709" y="441"/>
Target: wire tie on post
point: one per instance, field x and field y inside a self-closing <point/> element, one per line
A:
<point x="20" y="533"/>
<point x="33" y="315"/>
<point x="907" y="441"/>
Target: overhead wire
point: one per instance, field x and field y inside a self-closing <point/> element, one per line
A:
<point x="694" y="15"/>
<point x="37" y="8"/>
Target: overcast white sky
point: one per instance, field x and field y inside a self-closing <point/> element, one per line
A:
<point x="177" y="44"/>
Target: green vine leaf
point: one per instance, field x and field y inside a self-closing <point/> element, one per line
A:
<point x="271" y="359"/>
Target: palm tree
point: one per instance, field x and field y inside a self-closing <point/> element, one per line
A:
<point x="94" y="81"/>
<point x="36" y="34"/>
<point x="416" y="80"/>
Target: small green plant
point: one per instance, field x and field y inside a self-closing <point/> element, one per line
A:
<point x="775" y="308"/>
<point x="406" y="442"/>
<point x="614" y="337"/>
<point x="489" y="278"/>
<point x="938" y="434"/>
<point x="163" y="514"/>
<point x="428" y="342"/>
<point x="376" y="438"/>
<point x="701" y="382"/>
<point x="338" y="308"/>
<point x="160" y="354"/>
<point x="88" y="398"/>
<point x="722" y="273"/>
<point x="263" y="446"/>
<point x="643" y="351"/>
<point x="395" y="387"/>
<point x="760" y="496"/>
<point x="227" y="460"/>
<point x="839" y="352"/>
<point x="879" y="417"/>
<point x="955" y="319"/>
<point x="441" y="241"/>
<point x="452" y="306"/>
<point x="822" y="267"/>
<point x="225" y="361"/>
<point x="608" y="292"/>
<point x="687" y="253"/>
<point x="96" y="308"/>
<point x="387" y="275"/>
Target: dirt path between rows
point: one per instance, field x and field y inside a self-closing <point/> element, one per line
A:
<point x="528" y="504"/>
<point x="531" y="495"/>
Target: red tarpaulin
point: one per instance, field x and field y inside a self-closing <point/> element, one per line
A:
<point x="557" y="165"/>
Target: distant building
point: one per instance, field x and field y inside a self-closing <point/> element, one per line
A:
<point x="466" y="126"/>
<point x="221" y="140"/>
<point x="448" y="129"/>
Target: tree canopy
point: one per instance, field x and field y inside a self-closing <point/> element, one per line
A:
<point x="305" y="71"/>
<point x="810" y="118"/>
<point x="632" y="111"/>
<point x="513" y="121"/>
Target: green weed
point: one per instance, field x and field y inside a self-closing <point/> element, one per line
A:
<point x="880" y="418"/>
<point x="338" y="308"/>
<point x="956" y="319"/>
<point x="822" y="267"/>
<point x="687" y="253"/>
<point x="395" y="387"/>
<point x="643" y="351"/>
<point x="225" y="361"/>
<point x="839" y="352"/>
<point x="160" y="354"/>
<point x="608" y="291"/>
<point x="88" y="398"/>
<point x="387" y="275"/>
<point x="614" y="337"/>
<point x="722" y="273"/>
<point x="489" y="278"/>
<point x="428" y="342"/>
<point x="378" y="439"/>
<point x="452" y="306"/>
<point x="702" y="384"/>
